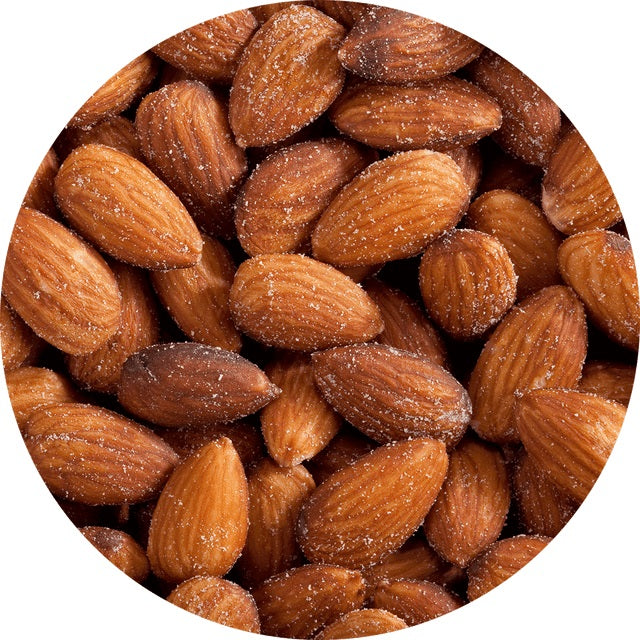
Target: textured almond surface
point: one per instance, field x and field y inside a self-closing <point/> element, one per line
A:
<point x="20" y="345"/>
<point x="611" y="380"/>
<point x="39" y="195"/>
<point x="470" y="160"/>
<point x="346" y="13"/>
<point x="358" y="624"/>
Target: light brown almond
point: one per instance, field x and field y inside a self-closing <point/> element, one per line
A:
<point x="20" y="345"/>
<point x="361" y="623"/>
<point x="39" y="195"/>
<point x="611" y="380"/>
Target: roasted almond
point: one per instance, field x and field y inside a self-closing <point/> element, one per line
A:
<point x="264" y="11"/>
<point x="346" y="13"/>
<point x="20" y="345"/>
<point x="361" y="623"/>
<point x="39" y="195"/>
<point x="187" y="383"/>
<point x="469" y="159"/>
<point x="611" y="380"/>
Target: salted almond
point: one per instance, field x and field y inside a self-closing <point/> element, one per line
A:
<point x="263" y="12"/>
<point x="346" y="13"/>
<point x="95" y="456"/>
<point x="187" y="383"/>
<point x="370" y="508"/>
<point x="299" y="602"/>
<point x="391" y="210"/>
<point x="611" y="380"/>
<point x="218" y="600"/>
<point x="117" y="93"/>
<point x="185" y="138"/>
<point x="287" y="76"/>
<point x="275" y="497"/>
<point x="532" y="243"/>
<point x="472" y="506"/>
<point x="197" y="297"/>
<point x="120" y="549"/>
<point x="500" y="561"/>
<point x="467" y="282"/>
<point x="569" y="435"/>
<point x="390" y="394"/>
<point x="469" y="159"/>
<point x="576" y="195"/>
<point x="286" y="193"/>
<point x="211" y="50"/>
<point x="297" y="303"/>
<point x="20" y="345"/>
<point x="361" y="623"/>
<point x="360" y="273"/>
<point x="540" y="343"/>
<point x="59" y="285"/>
<point x="599" y="266"/>
<point x="39" y="195"/>
<point x="439" y="114"/>
<point x="200" y="522"/>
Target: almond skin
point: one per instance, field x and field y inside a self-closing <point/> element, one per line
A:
<point x="20" y="345"/>
<point x="438" y="115"/>
<point x="391" y="210"/>
<point x="59" y="285"/>
<point x="218" y="600"/>
<point x="297" y="303"/>
<point x="117" y="203"/>
<point x="200" y="523"/>
<point x="576" y="195"/>
<point x="371" y="508"/>
<point x="472" y="506"/>
<point x="467" y="281"/>
<point x="265" y="11"/>
<point x="299" y="602"/>
<point x="469" y="159"/>
<point x="288" y="75"/>
<point x="611" y="380"/>
<point x="389" y="46"/>
<point x="540" y="343"/>
<point x="569" y="435"/>
<point x="185" y="138"/>
<point x="97" y="457"/>
<point x="181" y="384"/>
<point x="599" y="266"/>
<point x="358" y="624"/>
<point x="39" y="195"/>
<point x="390" y="394"/>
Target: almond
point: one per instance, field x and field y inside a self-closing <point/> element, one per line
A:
<point x="114" y="201"/>
<point x="180" y="384"/>
<point x="297" y="303"/>
<point x="470" y="510"/>
<point x="599" y="266"/>
<point x="95" y="456"/>
<point x="299" y="422"/>
<point x="286" y="193"/>
<point x="611" y="380"/>
<point x="387" y="45"/>
<point x="275" y="497"/>
<point x="200" y="523"/>
<point x="540" y="343"/>
<point x="185" y="138"/>
<point x="264" y="11"/>
<point x="20" y="345"/>
<point x="299" y="602"/>
<point x="59" y="285"/>
<point x="439" y="115"/>
<point x="346" y="13"/>
<point x="469" y="159"/>
<point x="370" y="508"/>
<point x="358" y="624"/>
<point x="390" y="394"/>
<point x="569" y="435"/>
<point x="39" y="195"/>
<point x="210" y="50"/>
<point x="218" y="600"/>
<point x="576" y="195"/>
<point x="288" y="75"/>
<point x="197" y="297"/>
<point x="467" y="281"/>
<point x="392" y="210"/>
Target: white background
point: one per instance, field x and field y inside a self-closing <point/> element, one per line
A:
<point x="55" y="54"/>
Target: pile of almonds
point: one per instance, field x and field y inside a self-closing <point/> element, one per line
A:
<point x="319" y="319"/>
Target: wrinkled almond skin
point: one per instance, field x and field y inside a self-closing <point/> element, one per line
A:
<point x="390" y="394"/>
<point x="550" y="328"/>
<point x="440" y="115"/>
<point x="20" y="345"/>
<point x="299" y="602"/>
<point x="97" y="457"/>
<point x="469" y="159"/>
<point x="472" y="506"/>
<point x="370" y="508"/>
<point x="391" y="210"/>
<point x="346" y="13"/>
<point x="576" y="195"/>
<point x="467" y="281"/>
<point x="211" y="50"/>
<point x="297" y="303"/>
<point x="218" y="600"/>
<point x="117" y="203"/>
<point x="185" y="138"/>
<point x="388" y="46"/>
<point x="287" y="76"/>
<point x="59" y="285"/>
<point x="39" y="195"/>
<point x="361" y="623"/>
<point x="599" y="266"/>
<point x="197" y="297"/>
<point x="569" y="435"/>
<point x="187" y="383"/>
<point x="264" y="11"/>
<point x="200" y="522"/>
<point x="611" y="380"/>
